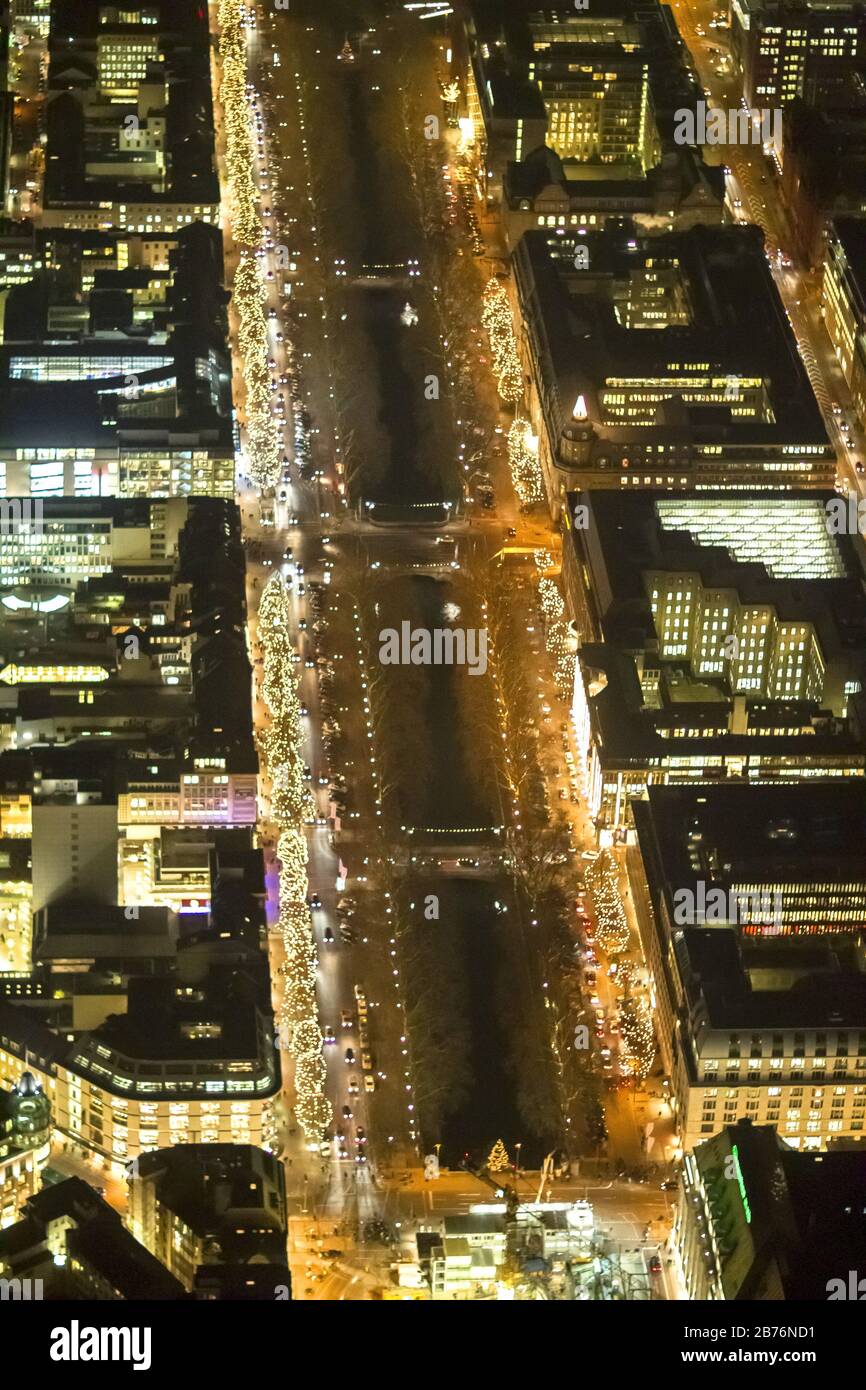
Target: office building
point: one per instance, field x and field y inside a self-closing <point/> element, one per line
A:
<point x="786" y="50"/>
<point x="595" y="90"/>
<point x="843" y="295"/>
<point x="72" y="1245"/>
<point x="191" y="1058"/>
<point x="758" y="1221"/>
<point x="824" y="172"/>
<point x="114" y="367"/>
<point x="718" y="639"/>
<point x="25" y="1125"/>
<point x="639" y="374"/>
<point x="130" y="139"/>
<point x="542" y="191"/>
<point x="750" y="903"/>
<point x="207" y="1207"/>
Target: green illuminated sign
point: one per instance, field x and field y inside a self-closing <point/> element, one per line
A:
<point x="735" y="1153"/>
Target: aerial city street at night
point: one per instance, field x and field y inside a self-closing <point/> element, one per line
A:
<point x="432" y="663"/>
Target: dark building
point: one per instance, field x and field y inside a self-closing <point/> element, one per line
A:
<point x="639" y="374"/>
<point x="72" y="1241"/>
<point x="790" y="49"/>
<point x="756" y="1220"/>
<point x="751" y="905"/>
<point x="215" y="1215"/>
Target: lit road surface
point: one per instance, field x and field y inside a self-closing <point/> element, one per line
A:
<point x="324" y="1187"/>
<point x="298" y="524"/>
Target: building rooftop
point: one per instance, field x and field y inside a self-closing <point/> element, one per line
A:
<point x="231" y="1195"/>
<point x="775" y="836"/>
<point x="96" y="1239"/>
<point x="773" y="550"/>
<point x="89" y="99"/>
<point x="716" y="279"/>
<point x="803" y="1212"/>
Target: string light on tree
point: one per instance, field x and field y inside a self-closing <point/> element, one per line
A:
<point x="523" y="459"/>
<point x="498" y="1160"/>
<point x="638" y="1039"/>
<point x="612" y="933"/>
<point x="496" y="318"/>
<point x="290" y="806"/>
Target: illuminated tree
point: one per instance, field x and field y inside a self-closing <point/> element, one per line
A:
<point x="523" y="459"/>
<point x="612" y="932"/>
<point x="498" y="1160"/>
<point x="291" y="806"/>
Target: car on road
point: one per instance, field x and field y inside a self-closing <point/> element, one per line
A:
<point x="347" y="1112"/>
<point x="346" y="1019"/>
<point x="655" y="1265"/>
<point x="350" y="1056"/>
<point x="314" y="900"/>
<point x="361" y="1134"/>
<point x="353" y="1087"/>
<point x="369" y="1082"/>
<point x="670" y="1184"/>
<point x="366" y="1061"/>
<point x="329" y="1035"/>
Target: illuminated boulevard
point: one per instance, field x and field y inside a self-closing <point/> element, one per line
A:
<point x="333" y="550"/>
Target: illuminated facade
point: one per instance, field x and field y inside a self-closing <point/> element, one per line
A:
<point x="113" y="1106"/>
<point x="783" y="1041"/>
<point x="199" y="798"/>
<point x="756" y="1220"/>
<point x="597" y="100"/>
<point x="672" y="684"/>
<point x="25" y="1124"/>
<point x="720" y="412"/>
<point x="789" y="51"/>
<point x="843" y="295"/>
